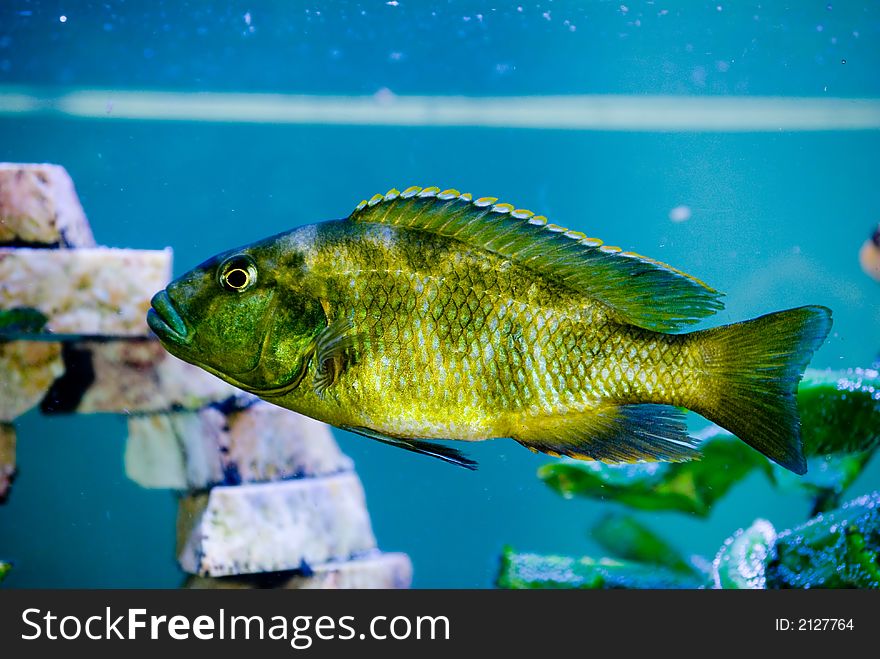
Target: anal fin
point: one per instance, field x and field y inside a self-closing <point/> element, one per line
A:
<point x="432" y="449"/>
<point x="615" y="433"/>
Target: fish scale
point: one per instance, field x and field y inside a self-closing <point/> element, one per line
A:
<point x="534" y="349"/>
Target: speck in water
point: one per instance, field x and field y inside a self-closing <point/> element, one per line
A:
<point x="680" y="214"/>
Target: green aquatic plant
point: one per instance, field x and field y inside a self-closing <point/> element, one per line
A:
<point x="627" y="538"/>
<point x="840" y="415"/>
<point x="531" y="571"/>
<point x="21" y="320"/>
<point x="4" y="570"/>
<point x="690" y="487"/>
<point x="742" y="560"/>
<point x="839" y="411"/>
<point x="838" y="547"/>
<point x="828" y="478"/>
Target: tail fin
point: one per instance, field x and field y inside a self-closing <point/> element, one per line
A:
<point x="756" y="367"/>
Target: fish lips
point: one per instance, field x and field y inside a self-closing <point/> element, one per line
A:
<point x="166" y="322"/>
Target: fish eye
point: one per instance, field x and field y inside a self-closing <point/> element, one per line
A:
<point x="238" y="274"/>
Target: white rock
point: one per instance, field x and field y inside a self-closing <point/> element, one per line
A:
<point x="27" y="371"/>
<point x="195" y="450"/>
<point x="270" y="527"/>
<point x="38" y="204"/>
<point x="137" y="375"/>
<point x="375" y="570"/>
<point x="264" y="443"/>
<point x="91" y="291"/>
<point x="188" y="387"/>
<point x="154" y="456"/>
<point x="7" y="458"/>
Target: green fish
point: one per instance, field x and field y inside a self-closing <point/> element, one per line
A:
<point x="430" y="315"/>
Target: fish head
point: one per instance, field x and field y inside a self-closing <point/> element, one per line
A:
<point x="242" y="315"/>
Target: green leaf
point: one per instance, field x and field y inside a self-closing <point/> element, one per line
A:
<point x="533" y="571"/>
<point x="840" y="410"/>
<point x="21" y="320"/>
<point x="840" y="426"/>
<point x="629" y="539"/>
<point x="837" y="549"/>
<point x="827" y="478"/>
<point x="742" y="560"/>
<point x="691" y="487"/>
<point x="4" y="570"/>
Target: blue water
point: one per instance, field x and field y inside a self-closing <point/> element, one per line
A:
<point x="776" y="217"/>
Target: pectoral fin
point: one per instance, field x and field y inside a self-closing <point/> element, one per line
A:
<point x="438" y="451"/>
<point x="332" y="353"/>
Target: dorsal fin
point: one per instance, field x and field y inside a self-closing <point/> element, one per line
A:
<point x="642" y="291"/>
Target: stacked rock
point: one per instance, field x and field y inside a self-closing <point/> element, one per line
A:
<point x="269" y="491"/>
<point x="56" y="284"/>
<point x="266" y="497"/>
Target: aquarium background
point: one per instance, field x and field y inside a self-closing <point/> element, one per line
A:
<point x="776" y="216"/>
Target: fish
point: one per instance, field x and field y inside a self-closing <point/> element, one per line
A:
<point x="869" y="255"/>
<point x="429" y="315"/>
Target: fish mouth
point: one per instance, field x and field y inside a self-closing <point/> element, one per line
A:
<point x="166" y="322"/>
